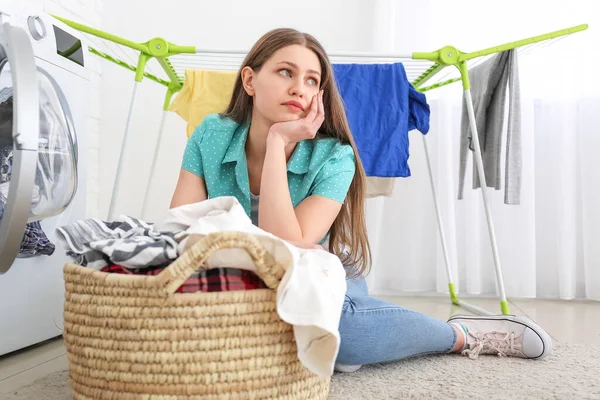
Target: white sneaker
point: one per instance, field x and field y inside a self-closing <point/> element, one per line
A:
<point x="504" y="335"/>
<point x="346" y="368"/>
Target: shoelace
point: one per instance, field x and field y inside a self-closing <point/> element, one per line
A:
<point x="489" y="343"/>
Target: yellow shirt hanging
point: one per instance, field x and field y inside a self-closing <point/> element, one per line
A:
<point x="204" y="92"/>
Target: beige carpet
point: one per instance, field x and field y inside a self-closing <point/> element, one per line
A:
<point x="573" y="372"/>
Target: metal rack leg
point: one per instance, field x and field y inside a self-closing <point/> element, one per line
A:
<point x="150" y="185"/>
<point x="441" y="229"/>
<point x="486" y="202"/>
<point x="453" y="295"/>
<point x="124" y="146"/>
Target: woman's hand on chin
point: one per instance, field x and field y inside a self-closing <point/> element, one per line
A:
<point x="303" y="128"/>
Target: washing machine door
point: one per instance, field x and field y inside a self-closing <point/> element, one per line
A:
<point x="19" y="134"/>
<point x="56" y="174"/>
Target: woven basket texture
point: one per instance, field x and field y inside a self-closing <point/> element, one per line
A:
<point x="132" y="337"/>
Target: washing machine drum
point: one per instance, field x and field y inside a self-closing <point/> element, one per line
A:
<point x="56" y="170"/>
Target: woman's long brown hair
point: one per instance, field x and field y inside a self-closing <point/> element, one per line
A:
<point x="348" y="236"/>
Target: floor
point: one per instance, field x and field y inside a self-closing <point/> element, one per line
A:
<point x="572" y="322"/>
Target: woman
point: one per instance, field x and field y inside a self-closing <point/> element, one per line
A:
<point x="283" y="147"/>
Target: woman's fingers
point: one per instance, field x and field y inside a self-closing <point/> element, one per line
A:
<point x="312" y="113"/>
<point x="321" y="114"/>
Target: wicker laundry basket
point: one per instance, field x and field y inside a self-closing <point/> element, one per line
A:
<point x="133" y="337"/>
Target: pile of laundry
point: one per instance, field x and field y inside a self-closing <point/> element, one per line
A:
<point x="134" y="247"/>
<point x="310" y="296"/>
<point x="35" y="242"/>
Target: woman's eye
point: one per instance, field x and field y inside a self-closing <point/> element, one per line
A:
<point x="285" y="72"/>
<point x="312" y="82"/>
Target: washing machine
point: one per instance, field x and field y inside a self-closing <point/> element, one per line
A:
<point x="44" y="84"/>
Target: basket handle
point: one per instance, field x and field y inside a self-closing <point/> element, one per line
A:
<point x="173" y="276"/>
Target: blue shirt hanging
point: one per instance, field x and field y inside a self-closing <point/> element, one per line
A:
<point x="382" y="107"/>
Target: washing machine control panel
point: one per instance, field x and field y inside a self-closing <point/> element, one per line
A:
<point x="52" y="40"/>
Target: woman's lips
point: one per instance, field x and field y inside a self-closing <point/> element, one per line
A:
<point x="293" y="107"/>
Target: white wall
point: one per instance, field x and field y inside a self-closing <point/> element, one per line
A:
<point x="87" y="12"/>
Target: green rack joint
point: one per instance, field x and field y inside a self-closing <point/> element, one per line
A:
<point x="171" y="90"/>
<point x="159" y="47"/>
<point x="504" y="307"/>
<point x="453" y="296"/>
<point x="447" y="55"/>
<point x="142" y="61"/>
<point x="464" y="74"/>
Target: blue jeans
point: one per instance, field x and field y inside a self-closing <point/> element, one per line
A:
<point x="373" y="330"/>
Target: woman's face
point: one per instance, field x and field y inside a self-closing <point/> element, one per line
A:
<point x="285" y="85"/>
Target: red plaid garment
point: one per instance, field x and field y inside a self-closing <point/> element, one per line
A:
<point x="211" y="280"/>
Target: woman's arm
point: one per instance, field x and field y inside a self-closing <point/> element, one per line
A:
<point x="190" y="189"/>
<point x="312" y="218"/>
<point x="275" y="209"/>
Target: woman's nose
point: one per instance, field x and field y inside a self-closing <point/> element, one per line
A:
<point x="297" y="88"/>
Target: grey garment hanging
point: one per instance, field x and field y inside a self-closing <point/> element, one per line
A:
<point x="488" y="90"/>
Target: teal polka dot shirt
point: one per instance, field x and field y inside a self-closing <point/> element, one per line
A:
<point x="216" y="152"/>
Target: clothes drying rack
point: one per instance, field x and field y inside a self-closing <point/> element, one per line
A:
<point x="424" y="71"/>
